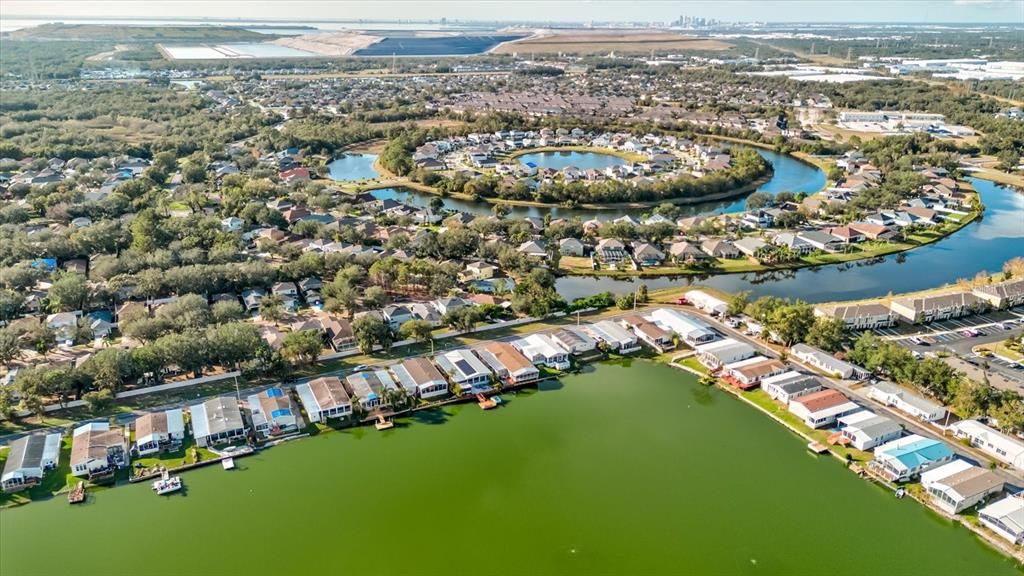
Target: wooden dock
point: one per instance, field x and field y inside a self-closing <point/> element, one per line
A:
<point x="77" y="494"/>
<point x="817" y="447"/>
<point x="485" y="402"/>
<point x="383" y="423"/>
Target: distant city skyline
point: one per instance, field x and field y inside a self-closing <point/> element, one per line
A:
<point x="580" y="11"/>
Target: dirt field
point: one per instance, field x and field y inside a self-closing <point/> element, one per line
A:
<point x="604" y="42"/>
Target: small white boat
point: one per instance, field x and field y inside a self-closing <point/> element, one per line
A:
<point x="228" y="463"/>
<point x="167" y="484"/>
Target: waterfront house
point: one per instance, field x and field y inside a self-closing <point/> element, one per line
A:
<point x="865" y="429"/>
<point x="717" y="354"/>
<point x="963" y="489"/>
<point x="706" y="302"/>
<point x="750" y="245"/>
<point x="28" y="460"/>
<point x="647" y="254"/>
<point x="324" y="398"/>
<point x="217" y="421"/>
<point x="507" y="363"/>
<point x="822" y="408"/>
<point x="649" y="332"/>
<point x="371" y="388"/>
<point x="611" y="250"/>
<point x="1006" y="518"/>
<point x="789" y="385"/>
<point x="925" y="309"/>
<point x="272" y="412"/>
<point x="747" y="374"/>
<point x="905" y="458"/>
<point x="687" y="253"/>
<point x="794" y="242"/>
<point x="97" y="449"/>
<point x="717" y="248"/>
<point x="614" y="336"/>
<point x="464" y="370"/>
<point x="1003" y="448"/>
<point x="1002" y="295"/>
<point x="575" y="340"/>
<point x="906" y="401"/>
<point x="570" y="247"/>
<point x="542" y="349"/>
<point x="825" y="362"/>
<point x="859" y="316"/>
<point x="691" y="329"/>
<point x="821" y="240"/>
<point x="420" y="378"/>
<point x="159" y="430"/>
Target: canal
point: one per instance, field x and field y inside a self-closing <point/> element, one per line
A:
<point x="790" y="175"/>
<point x="982" y="245"/>
<point x="623" y="469"/>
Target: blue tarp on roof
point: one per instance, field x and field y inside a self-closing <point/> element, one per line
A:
<point x="280" y="412"/>
<point x="47" y="263"/>
<point x="275" y="393"/>
<point x="371" y="396"/>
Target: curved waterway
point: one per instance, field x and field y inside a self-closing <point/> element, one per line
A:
<point x="625" y="469"/>
<point x="790" y="175"/>
<point x="983" y="245"/>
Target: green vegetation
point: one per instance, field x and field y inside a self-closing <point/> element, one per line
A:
<point x="937" y="379"/>
<point x="122" y="33"/>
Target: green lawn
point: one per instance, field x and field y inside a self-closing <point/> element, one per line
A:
<point x="761" y="399"/>
<point x="54" y="482"/>
<point x="177" y="458"/>
<point x="692" y="363"/>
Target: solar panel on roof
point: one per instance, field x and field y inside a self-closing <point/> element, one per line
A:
<point x="275" y="393"/>
<point x="464" y="366"/>
<point x="280" y="412"/>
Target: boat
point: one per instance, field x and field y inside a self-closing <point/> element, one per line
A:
<point x="77" y="494"/>
<point x="167" y="484"/>
<point x="497" y="399"/>
<point x="383" y="424"/>
<point x="484" y="402"/>
<point x="228" y="463"/>
<point x="901" y="492"/>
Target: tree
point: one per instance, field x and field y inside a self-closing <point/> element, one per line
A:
<point x="758" y="200"/>
<point x="226" y="311"/>
<point x="188" y="351"/>
<point x="738" y="303"/>
<point x="374" y="297"/>
<point x="98" y="400"/>
<point x="10" y="348"/>
<point x="303" y="346"/>
<point x="827" y="333"/>
<point x="463" y="319"/>
<point x="272" y="308"/>
<point x="419" y="330"/>
<point x="68" y="293"/>
<point x="232" y="343"/>
<point x="189" y="312"/>
<point x="371" y="330"/>
<point x="790" y="323"/>
<point x="145" y="329"/>
<point x="110" y="368"/>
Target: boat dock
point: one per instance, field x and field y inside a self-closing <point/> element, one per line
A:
<point x="817" y="447"/>
<point x="383" y="423"/>
<point x="485" y="402"/>
<point x="77" y="494"/>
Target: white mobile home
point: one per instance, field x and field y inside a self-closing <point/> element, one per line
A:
<point x="28" y="460"/>
<point x="325" y="398"/>
<point x="159" y="430"/>
<point x="992" y="442"/>
<point x="865" y="429"/>
<point x="906" y="401"/>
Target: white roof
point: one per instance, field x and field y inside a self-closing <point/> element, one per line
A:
<point x="1014" y="449"/>
<point x="539" y="344"/>
<point x="702" y="299"/>
<point x="856" y="417"/>
<point x="1009" y="511"/>
<point x="945" y="471"/>
<point x="724" y="346"/>
<point x="92" y="427"/>
<point x="462" y="364"/>
<point x="611" y="332"/>
<point x="682" y="324"/>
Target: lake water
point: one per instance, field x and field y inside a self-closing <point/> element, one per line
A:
<point x="790" y="175"/>
<point x="352" y="167"/>
<point x="983" y="245"/>
<point x="622" y="470"/>
<point x="461" y="45"/>
<point x="562" y="160"/>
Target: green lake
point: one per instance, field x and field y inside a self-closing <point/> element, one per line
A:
<point x="621" y="470"/>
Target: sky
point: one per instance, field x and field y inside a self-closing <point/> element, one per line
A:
<point x="964" y="11"/>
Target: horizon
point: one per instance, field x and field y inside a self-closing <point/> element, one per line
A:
<point x="967" y="12"/>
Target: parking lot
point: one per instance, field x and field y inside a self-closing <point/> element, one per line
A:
<point x="990" y="326"/>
